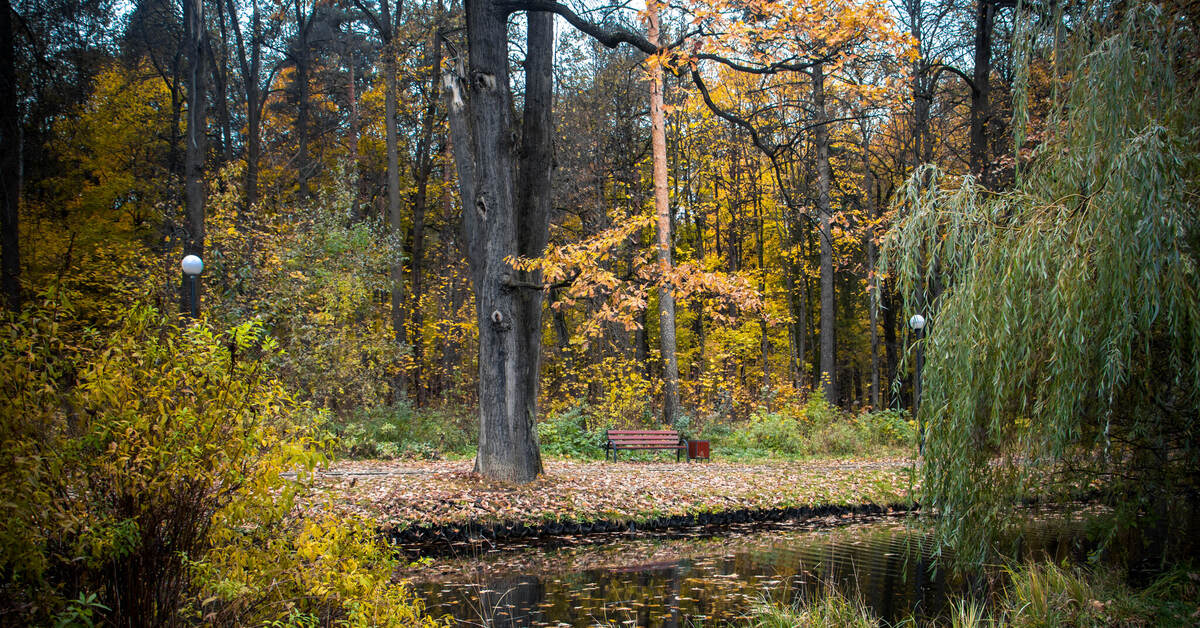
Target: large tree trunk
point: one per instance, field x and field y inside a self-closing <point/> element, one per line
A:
<point x="504" y="218"/>
<point x="196" y="144"/>
<point x="10" y="197"/>
<point x="825" y="215"/>
<point x="662" y="212"/>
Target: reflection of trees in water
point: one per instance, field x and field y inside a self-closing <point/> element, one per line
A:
<point x="680" y="582"/>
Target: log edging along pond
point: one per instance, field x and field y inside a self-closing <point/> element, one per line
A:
<point x="440" y="536"/>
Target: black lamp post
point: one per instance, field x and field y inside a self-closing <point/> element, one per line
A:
<point x="917" y="322"/>
<point x="192" y="266"/>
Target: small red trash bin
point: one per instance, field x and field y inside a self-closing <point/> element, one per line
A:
<point x="697" y="449"/>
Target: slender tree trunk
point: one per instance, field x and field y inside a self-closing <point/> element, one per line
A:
<point x="395" y="224"/>
<point x="662" y="211"/>
<point x="765" y="345"/>
<point x="825" y="215"/>
<point x="196" y="141"/>
<point x="10" y="164"/>
<point x="504" y="218"/>
<point x="698" y="328"/>
<point x="355" y="167"/>
<point x="891" y="347"/>
<point x="873" y="322"/>
<point x="417" y="261"/>
<point x="220" y="79"/>
<point x="302" y="106"/>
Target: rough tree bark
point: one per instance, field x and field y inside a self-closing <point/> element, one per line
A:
<point x="662" y="212"/>
<point x="504" y="216"/>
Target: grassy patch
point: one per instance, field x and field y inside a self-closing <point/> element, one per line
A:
<point x="1037" y="595"/>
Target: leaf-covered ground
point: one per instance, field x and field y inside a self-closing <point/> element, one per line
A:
<point x="403" y="494"/>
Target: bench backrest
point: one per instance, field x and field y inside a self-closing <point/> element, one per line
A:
<point x="651" y="438"/>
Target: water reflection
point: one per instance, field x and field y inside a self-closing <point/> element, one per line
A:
<point x="703" y="577"/>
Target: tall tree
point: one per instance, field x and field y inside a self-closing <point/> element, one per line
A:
<point x="662" y="212"/>
<point x="422" y="170"/>
<point x="255" y="87"/>
<point x="506" y="213"/>
<point x="196" y="140"/>
<point x="828" y="370"/>
<point x="385" y="24"/>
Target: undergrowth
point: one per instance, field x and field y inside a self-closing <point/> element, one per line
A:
<point x="1037" y="595"/>
<point x="814" y="429"/>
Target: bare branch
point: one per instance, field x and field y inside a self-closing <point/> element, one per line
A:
<point x="610" y="37"/>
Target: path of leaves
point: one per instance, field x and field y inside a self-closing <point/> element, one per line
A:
<point x="403" y="494"/>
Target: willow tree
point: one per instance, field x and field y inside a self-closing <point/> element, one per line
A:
<point x="1064" y="351"/>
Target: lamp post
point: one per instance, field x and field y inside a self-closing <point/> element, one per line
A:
<point x="917" y="323"/>
<point x="192" y="267"/>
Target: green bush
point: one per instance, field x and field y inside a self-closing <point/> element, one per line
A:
<point x="817" y="428"/>
<point x="141" y="480"/>
<point x="566" y="435"/>
<point x="894" y="428"/>
<point x="399" y="431"/>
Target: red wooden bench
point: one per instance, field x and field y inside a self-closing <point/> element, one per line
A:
<point x="643" y="439"/>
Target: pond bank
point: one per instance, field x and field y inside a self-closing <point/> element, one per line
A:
<point x="714" y="575"/>
<point x="445" y="502"/>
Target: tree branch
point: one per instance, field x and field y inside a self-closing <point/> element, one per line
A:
<point x="611" y="38"/>
<point x="729" y="117"/>
<point x="938" y="68"/>
<point x="774" y="68"/>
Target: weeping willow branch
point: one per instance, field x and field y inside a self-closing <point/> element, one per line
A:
<point x="1069" y="325"/>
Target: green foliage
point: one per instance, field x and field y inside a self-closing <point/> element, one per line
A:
<point x="315" y="283"/>
<point x="1068" y="332"/>
<point x="817" y="428"/>
<point x="399" y="431"/>
<point x="567" y="435"/>
<point x="1046" y="595"/>
<point x="79" y="612"/>
<point x="324" y="569"/>
<point x="143" y="467"/>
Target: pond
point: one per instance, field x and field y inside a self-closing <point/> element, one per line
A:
<point x="706" y="576"/>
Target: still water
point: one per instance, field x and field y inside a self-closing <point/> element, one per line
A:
<point x="709" y="576"/>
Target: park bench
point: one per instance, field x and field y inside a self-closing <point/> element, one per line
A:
<point x="643" y="439"/>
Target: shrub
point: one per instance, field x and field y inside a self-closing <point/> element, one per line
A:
<point x="893" y="428"/>
<point x="566" y="434"/>
<point x="400" y="431"/>
<point x="141" y="471"/>
<point x="815" y="428"/>
<point x="774" y="432"/>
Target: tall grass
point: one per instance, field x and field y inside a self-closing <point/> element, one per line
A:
<point x="1043" y="595"/>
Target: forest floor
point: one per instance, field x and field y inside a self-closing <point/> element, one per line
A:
<point x="403" y="494"/>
